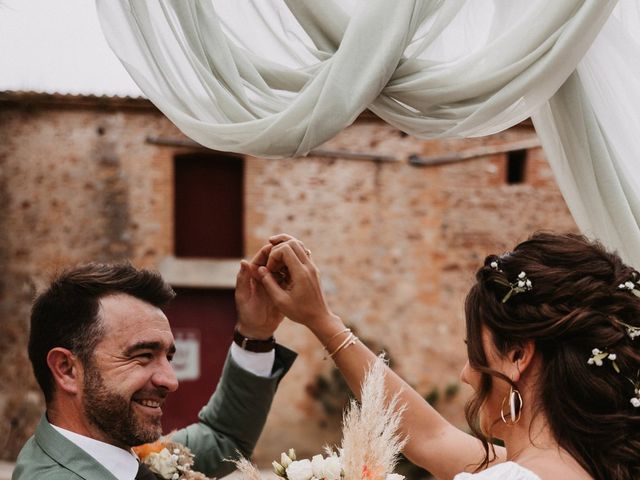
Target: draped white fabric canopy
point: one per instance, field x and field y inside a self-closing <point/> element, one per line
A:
<point x="279" y="77"/>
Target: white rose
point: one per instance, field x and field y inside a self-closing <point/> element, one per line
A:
<point x="394" y="476"/>
<point x="300" y="470"/>
<point x="317" y="464"/>
<point x="162" y="463"/>
<point x="635" y="401"/>
<point x="333" y="468"/>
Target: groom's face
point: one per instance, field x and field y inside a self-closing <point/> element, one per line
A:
<point x="130" y="375"/>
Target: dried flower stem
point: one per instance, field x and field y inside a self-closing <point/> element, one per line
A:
<point x="370" y="441"/>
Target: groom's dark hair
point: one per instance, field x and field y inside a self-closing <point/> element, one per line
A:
<point x="66" y="313"/>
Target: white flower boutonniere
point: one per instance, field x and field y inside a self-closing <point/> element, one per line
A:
<point x="168" y="460"/>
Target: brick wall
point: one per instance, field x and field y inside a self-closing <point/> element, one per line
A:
<point x="397" y="244"/>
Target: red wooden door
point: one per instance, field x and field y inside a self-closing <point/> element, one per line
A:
<point x="208" y="224"/>
<point x="202" y="322"/>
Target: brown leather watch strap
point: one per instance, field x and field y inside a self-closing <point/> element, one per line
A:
<point x="253" y="344"/>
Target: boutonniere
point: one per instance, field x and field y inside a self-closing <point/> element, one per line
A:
<point x="168" y="460"/>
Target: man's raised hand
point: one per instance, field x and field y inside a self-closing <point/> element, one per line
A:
<point x="300" y="298"/>
<point x="258" y="317"/>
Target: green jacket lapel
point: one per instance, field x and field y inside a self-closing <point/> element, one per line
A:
<point x="68" y="454"/>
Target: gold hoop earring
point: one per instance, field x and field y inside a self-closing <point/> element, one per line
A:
<point x="515" y="407"/>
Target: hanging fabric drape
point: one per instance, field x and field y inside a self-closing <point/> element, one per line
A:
<point x="589" y="131"/>
<point x="279" y="78"/>
<point x="420" y="65"/>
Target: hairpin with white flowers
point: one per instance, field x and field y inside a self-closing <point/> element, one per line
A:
<point x="632" y="285"/>
<point x="521" y="285"/>
<point x="597" y="358"/>
<point x="632" y="331"/>
<point x="635" y="400"/>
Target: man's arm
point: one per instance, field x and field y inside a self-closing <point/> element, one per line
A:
<point x="236" y="413"/>
<point x="234" y="417"/>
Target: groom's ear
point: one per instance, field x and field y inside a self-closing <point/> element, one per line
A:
<point x="66" y="370"/>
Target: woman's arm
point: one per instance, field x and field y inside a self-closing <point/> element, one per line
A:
<point x="433" y="442"/>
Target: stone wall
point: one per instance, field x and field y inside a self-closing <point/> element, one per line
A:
<point x="76" y="184"/>
<point x="397" y="244"/>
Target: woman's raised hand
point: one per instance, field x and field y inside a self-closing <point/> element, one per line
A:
<point x="292" y="281"/>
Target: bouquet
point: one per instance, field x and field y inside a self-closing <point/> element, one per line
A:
<point x="168" y="460"/>
<point x="369" y="449"/>
<point x="370" y="443"/>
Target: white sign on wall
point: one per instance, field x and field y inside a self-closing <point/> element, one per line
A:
<point x="186" y="361"/>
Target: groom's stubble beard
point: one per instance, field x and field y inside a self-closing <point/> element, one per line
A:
<point x="114" y="415"/>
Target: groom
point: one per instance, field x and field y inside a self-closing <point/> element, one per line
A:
<point x="101" y="350"/>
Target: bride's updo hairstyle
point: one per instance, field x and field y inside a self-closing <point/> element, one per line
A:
<point x="581" y="298"/>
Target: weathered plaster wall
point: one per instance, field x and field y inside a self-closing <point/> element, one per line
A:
<point x="75" y="185"/>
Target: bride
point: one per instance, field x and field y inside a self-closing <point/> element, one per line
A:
<point x="553" y="343"/>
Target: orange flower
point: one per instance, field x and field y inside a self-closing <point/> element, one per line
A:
<point x="143" y="451"/>
<point x="368" y="474"/>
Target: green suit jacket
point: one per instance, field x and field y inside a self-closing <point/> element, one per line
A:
<point x="231" y="421"/>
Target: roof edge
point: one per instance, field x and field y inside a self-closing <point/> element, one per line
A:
<point x="24" y="99"/>
<point x="61" y="100"/>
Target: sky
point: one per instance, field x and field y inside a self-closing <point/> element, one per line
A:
<point x="58" y="46"/>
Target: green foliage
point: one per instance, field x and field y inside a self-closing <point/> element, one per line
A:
<point x="433" y="397"/>
<point x="451" y="390"/>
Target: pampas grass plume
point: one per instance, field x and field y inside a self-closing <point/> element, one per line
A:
<point x="370" y="442"/>
<point x="247" y="469"/>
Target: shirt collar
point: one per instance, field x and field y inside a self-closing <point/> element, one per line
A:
<point x="121" y="463"/>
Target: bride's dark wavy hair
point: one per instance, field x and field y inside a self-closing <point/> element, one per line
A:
<point x="575" y="305"/>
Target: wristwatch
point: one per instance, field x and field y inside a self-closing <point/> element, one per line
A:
<point x="253" y="344"/>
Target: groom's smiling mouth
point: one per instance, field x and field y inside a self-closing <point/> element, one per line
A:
<point x="150" y="404"/>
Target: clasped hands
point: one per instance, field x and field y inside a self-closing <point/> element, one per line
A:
<point x="280" y="280"/>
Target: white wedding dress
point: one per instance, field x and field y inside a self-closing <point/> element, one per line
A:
<point x="502" y="471"/>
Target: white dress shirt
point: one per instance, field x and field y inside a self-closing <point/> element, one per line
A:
<point x="258" y="363"/>
<point x="123" y="464"/>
